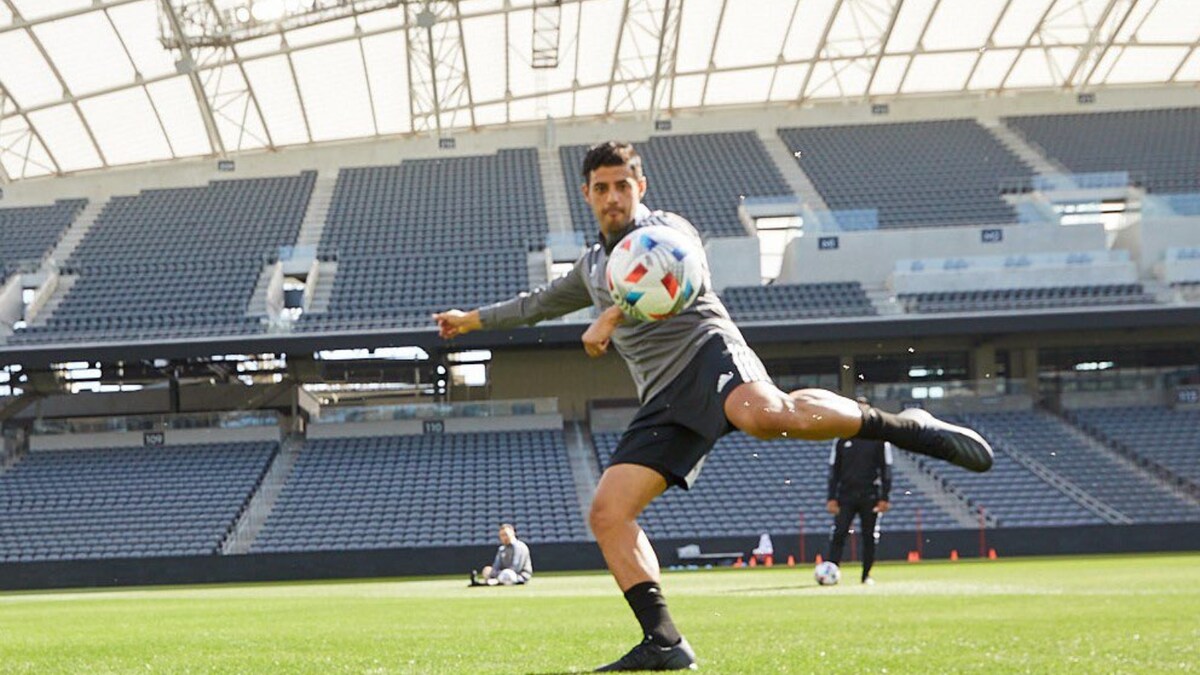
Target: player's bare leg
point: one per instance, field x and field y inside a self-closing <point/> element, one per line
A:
<point x="763" y="411"/>
<point x="624" y="491"/>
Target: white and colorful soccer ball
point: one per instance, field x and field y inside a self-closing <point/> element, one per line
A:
<point x="827" y="573"/>
<point x="655" y="272"/>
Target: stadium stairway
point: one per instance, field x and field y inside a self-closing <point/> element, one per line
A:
<point x="584" y="468"/>
<point x="1160" y="475"/>
<point x="789" y="165"/>
<point x="313" y="224"/>
<point x="79" y="228"/>
<point x="1025" y="150"/>
<point x="252" y="518"/>
<point x="554" y="192"/>
<point x="949" y="500"/>
<point x="326" y="274"/>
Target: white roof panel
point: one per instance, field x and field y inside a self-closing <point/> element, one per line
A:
<point x="353" y="71"/>
<point x="87" y="52"/>
<point x="126" y="127"/>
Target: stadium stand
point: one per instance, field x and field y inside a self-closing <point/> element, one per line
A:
<point x="176" y="262"/>
<point x="485" y="202"/>
<point x="1010" y="492"/>
<point x="29" y="233"/>
<point x="749" y="486"/>
<point x="126" y="502"/>
<point x="398" y="233"/>
<point x="782" y="302"/>
<point x="1161" y="436"/>
<point x="702" y="177"/>
<point x="402" y="291"/>
<point x="1025" y="298"/>
<point x="430" y="490"/>
<point x="1047" y="440"/>
<point x="916" y="174"/>
<point x="1158" y="147"/>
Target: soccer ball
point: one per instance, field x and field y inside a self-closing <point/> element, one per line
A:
<point x="827" y="573"/>
<point x="655" y="272"/>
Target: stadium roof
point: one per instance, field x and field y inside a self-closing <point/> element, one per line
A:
<point x="88" y="84"/>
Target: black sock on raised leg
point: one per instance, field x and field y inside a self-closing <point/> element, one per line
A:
<point x="878" y="425"/>
<point x="650" y="607"/>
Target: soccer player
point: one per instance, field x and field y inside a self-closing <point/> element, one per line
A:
<point x="512" y="565"/>
<point x="860" y="482"/>
<point x="697" y="380"/>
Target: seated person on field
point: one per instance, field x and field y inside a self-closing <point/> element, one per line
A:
<point x="512" y="564"/>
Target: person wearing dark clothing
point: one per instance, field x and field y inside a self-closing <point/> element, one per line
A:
<point x="860" y="482"/>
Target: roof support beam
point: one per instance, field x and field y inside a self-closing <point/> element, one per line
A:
<point x="1036" y="32"/>
<point x="664" y="65"/>
<point x="37" y="43"/>
<point x="1108" y="45"/>
<point x="787" y="32"/>
<point x="189" y="64"/>
<point x="987" y="44"/>
<point x="712" y="54"/>
<point x="20" y="23"/>
<point x="241" y="66"/>
<point x="816" y="57"/>
<point x="883" y="41"/>
<point x="616" y="62"/>
<point x="1094" y="39"/>
<point x="6" y="97"/>
<point x="920" y="45"/>
<point x="1184" y="60"/>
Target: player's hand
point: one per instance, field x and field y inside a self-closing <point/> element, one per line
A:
<point x="455" y="322"/>
<point x="832" y="507"/>
<point x="882" y="506"/>
<point x="598" y="335"/>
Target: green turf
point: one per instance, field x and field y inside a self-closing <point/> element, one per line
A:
<point x="1101" y="615"/>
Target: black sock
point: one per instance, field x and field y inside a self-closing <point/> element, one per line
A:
<point x="650" y="607"/>
<point x="878" y="425"/>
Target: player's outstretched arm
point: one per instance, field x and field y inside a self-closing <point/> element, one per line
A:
<point x="454" y="322"/>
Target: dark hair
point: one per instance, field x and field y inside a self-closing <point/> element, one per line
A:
<point x="611" y="153"/>
<point x="508" y="526"/>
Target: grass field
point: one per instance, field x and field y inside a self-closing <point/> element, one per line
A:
<point x="1101" y="615"/>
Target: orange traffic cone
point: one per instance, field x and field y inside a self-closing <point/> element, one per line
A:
<point x="738" y="562"/>
<point x="791" y="561"/>
<point x="991" y="554"/>
<point x="913" y="557"/>
<point x="819" y="559"/>
<point x="770" y="561"/>
<point x="754" y="561"/>
<point x="954" y="555"/>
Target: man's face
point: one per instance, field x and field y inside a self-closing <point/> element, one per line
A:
<point x="506" y="536"/>
<point x="614" y="193"/>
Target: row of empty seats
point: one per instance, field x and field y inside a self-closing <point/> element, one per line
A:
<point x="1025" y="298"/>
<point x="784" y="302"/>
<point x="1049" y="441"/>
<point x="28" y="233"/>
<point x="1161" y="436"/>
<point x="180" y="262"/>
<point x="126" y="502"/>
<point x="430" y="490"/>
<point x="916" y="174"/>
<point x="1158" y="147"/>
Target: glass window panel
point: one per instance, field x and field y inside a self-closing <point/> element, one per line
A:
<point x="333" y="88"/>
<point x="176" y="103"/>
<point x="87" y="52"/>
<point x="125" y="127"/>
<point x="388" y="75"/>
<point x="26" y="74"/>
<point x="272" y="82"/>
<point x="68" y="139"/>
<point x="139" y="28"/>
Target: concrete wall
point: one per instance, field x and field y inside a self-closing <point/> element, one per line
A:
<point x="453" y="425"/>
<point x="734" y="261"/>
<point x="1148" y="239"/>
<point x="983" y="272"/>
<point x="126" y="439"/>
<point x="870" y="257"/>
<point x="569" y="375"/>
<point x="1114" y="399"/>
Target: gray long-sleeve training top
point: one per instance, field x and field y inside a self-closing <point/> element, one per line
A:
<point x="656" y="352"/>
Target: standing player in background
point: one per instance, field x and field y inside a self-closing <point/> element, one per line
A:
<point x="697" y="380"/>
<point x="860" y="482"/>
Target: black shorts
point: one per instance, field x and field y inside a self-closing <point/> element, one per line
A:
<point x="673" y="432"/>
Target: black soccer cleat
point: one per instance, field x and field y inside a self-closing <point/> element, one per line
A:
<point x="649" y="656"/>
<point x="948" y="442"/>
